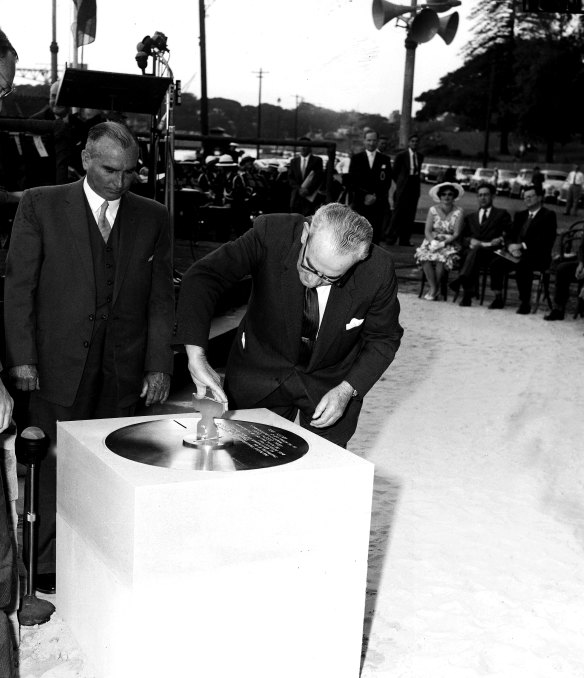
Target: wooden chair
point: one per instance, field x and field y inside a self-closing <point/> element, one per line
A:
<point x="570" y="242"/>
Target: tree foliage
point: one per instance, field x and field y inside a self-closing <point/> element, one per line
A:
<point x="521" y="73"/>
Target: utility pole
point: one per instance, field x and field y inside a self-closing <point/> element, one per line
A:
<point x="260" y="75"/>
<point x="298" y="102"/>
<point x="203" y="50"/>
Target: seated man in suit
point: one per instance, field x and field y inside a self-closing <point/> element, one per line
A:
<point x="305" y="176"/>
<point x="322" y="323"/>
<point x="566" y="273"/>
<point x="483" y="232"/>
<point x="528" y="248"/>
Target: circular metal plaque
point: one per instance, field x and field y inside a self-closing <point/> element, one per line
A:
<point x="168" y="443"/>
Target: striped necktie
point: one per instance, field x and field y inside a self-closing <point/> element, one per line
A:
<point x="310" y="318"/>
<point x="102" y="223"/>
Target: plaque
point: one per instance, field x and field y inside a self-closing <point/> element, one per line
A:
<point x="168" y="443"/>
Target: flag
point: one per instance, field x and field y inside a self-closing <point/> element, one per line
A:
<point x="86" y="21"/>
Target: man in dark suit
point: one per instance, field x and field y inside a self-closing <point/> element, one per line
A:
<point x="483" y="232"/>
<point x="322" y="324"/>
<point x="406" y="174"/>
<point x="370" y="181"/>
<point x="89" y="302"/>
<point x="528" y="248"/>
<point x="305" y="176"/>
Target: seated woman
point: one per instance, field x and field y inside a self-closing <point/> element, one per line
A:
<point x="439" y="250"/>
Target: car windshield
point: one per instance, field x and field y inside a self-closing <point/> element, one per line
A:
<point x="506" y="174"/>
<point x="486" y="173"/>
<point x="555" y="177"/>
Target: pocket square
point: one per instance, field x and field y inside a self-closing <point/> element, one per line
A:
<point x="150" y="258"/>
<point x="355" y="322"/>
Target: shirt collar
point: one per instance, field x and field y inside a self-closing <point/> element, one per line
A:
<point x="96" y="201"/>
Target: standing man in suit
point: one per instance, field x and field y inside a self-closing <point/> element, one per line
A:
<point x="8" y="58"/>
<point x="89" y="303"/>
<point x="322" y="324"/>
<point x="406" y="174"/>
<point x="529" y="246"/>
<point x="305" y="175"/>
<point x="483" y="232"/>
<point x="370" y="181"/>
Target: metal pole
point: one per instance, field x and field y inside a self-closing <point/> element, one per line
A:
<point x="259" y="114"/>
<point x="408" y="92"/>
<point x="203" y="50"/>
<point x="75" y="45"/>
<point x="54" y="46"/>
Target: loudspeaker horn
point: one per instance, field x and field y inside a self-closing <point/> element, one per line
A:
<point x="448" y="27"/>
<point x="442" y="5"/>
<point x="384" y="11"/>
<point x="424" y="26"/>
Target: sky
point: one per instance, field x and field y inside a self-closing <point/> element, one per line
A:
<point x="325" y="52"/>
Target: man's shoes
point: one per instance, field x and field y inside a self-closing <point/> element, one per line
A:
<point x="466" y="301"/>
<point x="524" y="309"/>
<point x="46" y="583"/>
<point x="554" y="314"/>
<point x="497" y="302"/>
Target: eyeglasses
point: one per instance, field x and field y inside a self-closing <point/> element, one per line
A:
<point x="5" y="91"/>
<point x="448" y="193"/>
<point x="307" y="267"/>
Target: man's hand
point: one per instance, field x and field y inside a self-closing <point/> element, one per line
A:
<point x="332" y="405"/>
<point x="6" y="405"/>
<point x="369" y="199"/>
<point x="579" y="271"/>
<point x="155" y="388"/>
<point x="474" y="243"/>
<point x="203" y="374"/>
<point x="515" y="250"/>
<point x="25" y="377"/>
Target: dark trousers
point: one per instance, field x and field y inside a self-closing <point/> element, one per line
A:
<point x="7" y="587"/>
<point x="405" y="204"/>
<point x="472" y="261"/>
<point x="97" y="398"/>
<point x="291" y="399"/>
<point x="377" y="215"/>
<point x="564" y="277"/>
<point x="524" y="269"/>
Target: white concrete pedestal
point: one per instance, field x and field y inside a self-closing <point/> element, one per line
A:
<point x="257" y="574"/>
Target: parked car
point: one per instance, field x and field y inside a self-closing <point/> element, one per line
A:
<point x="482" y="175"/>
<point x="505" y="178"/>
<point x="463" y="175"/>
<point x="518" y="185"/>
<point x="563" y="195"/>
<point x="431" y="173"/>
<point x="552" y="185"/>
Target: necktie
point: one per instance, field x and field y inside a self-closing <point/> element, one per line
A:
<point x="574" y="178"/>
<point x="309" y="323"/>
<point x="102" y="223"/>
<point x="414" y="164"/>
<point x="304" y="163"/>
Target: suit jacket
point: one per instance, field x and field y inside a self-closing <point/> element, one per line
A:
<point x="358" y="337"/>
<point x="364" y="179"/>
<point x="539" y="238"/>
<point x="50" y="293"/>
<point x="497" y="224"/>
<point x="299" y="203"/>
<point x="401" y="170"/>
